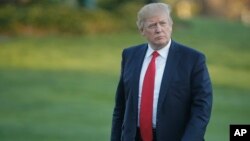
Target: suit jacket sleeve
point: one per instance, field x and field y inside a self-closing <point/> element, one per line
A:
<point x="201" y="91"/>
<point x="118" y="113"/>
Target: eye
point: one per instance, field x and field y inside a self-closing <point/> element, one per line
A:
<point x="163" y="23"/>
<point x="151" y="26"/>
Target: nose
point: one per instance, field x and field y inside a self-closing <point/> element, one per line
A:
<point x="158" y="28"/>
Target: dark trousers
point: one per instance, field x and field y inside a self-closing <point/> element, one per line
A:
<point x="138" y="135"/>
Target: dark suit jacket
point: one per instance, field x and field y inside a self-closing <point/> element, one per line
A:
<point x="185" y="98"/>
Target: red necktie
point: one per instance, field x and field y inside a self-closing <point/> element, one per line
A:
<point x="146" y="109"/>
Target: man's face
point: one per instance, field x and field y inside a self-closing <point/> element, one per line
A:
<point x="157" y="30"/>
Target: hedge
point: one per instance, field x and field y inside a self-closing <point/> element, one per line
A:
<point x="61" y="19"/>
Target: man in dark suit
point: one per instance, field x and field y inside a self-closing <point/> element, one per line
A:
<point x="164" y="92"/>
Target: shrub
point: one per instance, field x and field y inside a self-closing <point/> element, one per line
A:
<point x="57" y="19"/>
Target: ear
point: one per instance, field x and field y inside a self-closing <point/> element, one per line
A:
<point x="171" y="29"/>
<point x="142" y="31"/>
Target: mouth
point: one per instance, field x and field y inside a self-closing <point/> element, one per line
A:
<point x="159" y="38"/>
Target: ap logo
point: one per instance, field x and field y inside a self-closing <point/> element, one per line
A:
<point x="239" y="132"/>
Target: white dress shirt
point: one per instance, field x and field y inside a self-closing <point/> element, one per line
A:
<point x="160" y="66"/>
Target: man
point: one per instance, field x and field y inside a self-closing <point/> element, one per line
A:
<point x="164" y="92"/>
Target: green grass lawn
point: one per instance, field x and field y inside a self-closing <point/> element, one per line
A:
<point x="59" y="88"/>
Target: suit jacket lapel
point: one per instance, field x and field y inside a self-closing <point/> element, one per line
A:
<point x="138" y="58"/>
<point x="171" y="65"/>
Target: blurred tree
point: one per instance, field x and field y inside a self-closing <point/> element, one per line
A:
<point x="120" y="2"/>
<point x="151" y="1"/>
<point x="204" y="7"/>
<point x="5" y="1"/>
<point x="22" y="2"/>
<point x="28" y="2"/>
<point x="89" y="4"/>
<point x="114" y="4"/>
<point x="226" y="8"/>
<point x="186" y="9"/>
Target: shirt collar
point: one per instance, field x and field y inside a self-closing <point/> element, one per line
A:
<point x="163" y="52"/>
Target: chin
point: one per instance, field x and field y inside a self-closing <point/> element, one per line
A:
<point x="163" y="43"/>
<point x="158" y="46"/>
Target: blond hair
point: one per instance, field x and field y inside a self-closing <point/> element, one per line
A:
<point x="153" y="9"/>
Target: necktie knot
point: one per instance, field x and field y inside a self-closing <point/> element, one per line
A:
<point x="155" y="54"/>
